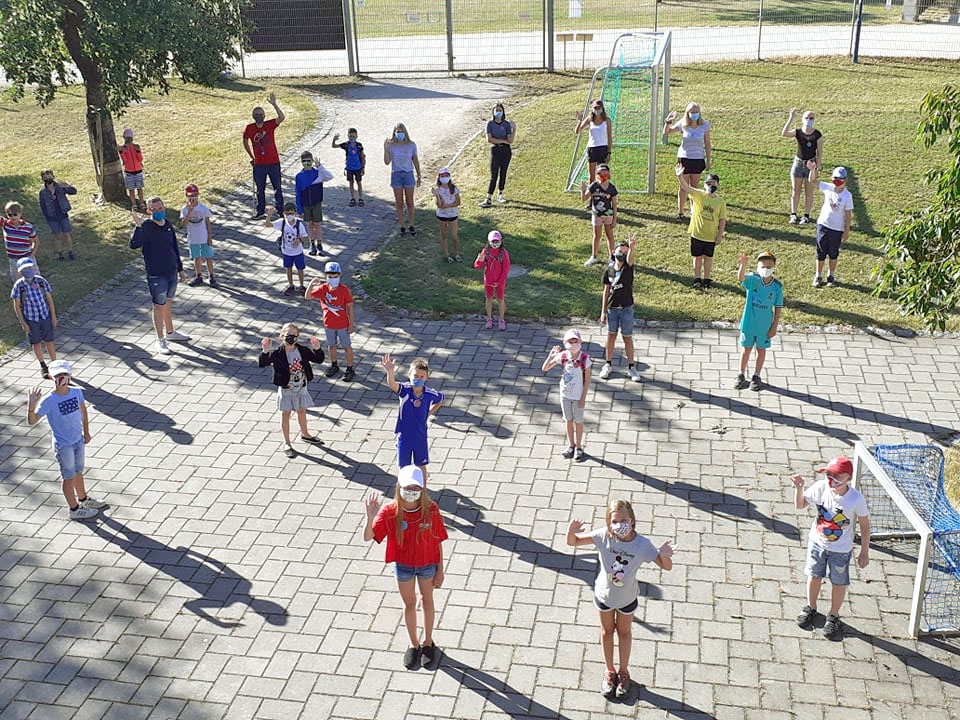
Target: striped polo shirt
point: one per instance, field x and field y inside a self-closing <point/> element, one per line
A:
<point x="17" y="239"/>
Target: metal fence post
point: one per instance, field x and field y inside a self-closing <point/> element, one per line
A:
<point x="348" y="37"/>
<point x="856" y="42"/>
<point x="549" y="20"/>
<point x="759" y="28"/>
<point x="448" y="7"/>
<point x="656" y="14"/>
<point x="666" y="91"/>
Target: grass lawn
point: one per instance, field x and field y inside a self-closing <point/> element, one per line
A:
<point x="951" y="475"/>
<point x="868" y="114"/>
<point x="191" y="135"/>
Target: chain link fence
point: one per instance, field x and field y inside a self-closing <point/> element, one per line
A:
<point x="321" y="37"/>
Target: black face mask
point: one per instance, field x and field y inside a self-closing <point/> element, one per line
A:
<point x="48" y="181"/>
<point x="290" y="339"/>
<point x="712" y="188"/>
<point x="620" y="257"/>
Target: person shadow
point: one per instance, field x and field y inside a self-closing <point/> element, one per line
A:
<point x="132" y="413"/>
<point x="216" y="583"/>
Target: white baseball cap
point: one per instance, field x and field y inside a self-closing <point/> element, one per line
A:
<point x="572" y="334"/>
<point x="410" y="475"/>
<point x="59" y="367"/>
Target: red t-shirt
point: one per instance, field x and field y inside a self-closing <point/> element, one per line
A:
<point x="334" y="303"/>
<point x="264" y="146"/>
<point x="421" y="541"/>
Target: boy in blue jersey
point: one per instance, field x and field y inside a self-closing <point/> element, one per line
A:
<point x="309" y="194"/>
<point x="356" y="164"/>
<point x="417" y="402"/>
<point x="761" y="314"/>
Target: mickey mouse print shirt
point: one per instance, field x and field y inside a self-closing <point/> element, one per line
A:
<point x="833" y="527"/>
<point x="616" y="584"/>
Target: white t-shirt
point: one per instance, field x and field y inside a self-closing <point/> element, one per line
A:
<point x="290" y="233"/>
<point x="197" y="227"/>
<point x="447" y="197"/>
<point x="692" y="145"/>
<point x="616" y="584"/>
<point x="571" y="379"/>
<point x="832" y="529"/>
<point x="835" y="204"/>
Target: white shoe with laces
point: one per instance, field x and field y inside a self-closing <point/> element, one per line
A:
<point x="501" y="198"/>
<point x="177" y="336"/>
<point x="82" y="513"/>
<point x="161" y="347"/>
<point x="592" y="260"/>
<point x="634" y="375"/>
<point x="92" y="503"/>
<point x="605" y="371"/>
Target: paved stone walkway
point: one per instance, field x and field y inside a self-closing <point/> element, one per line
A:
<point x="228" y="582"/>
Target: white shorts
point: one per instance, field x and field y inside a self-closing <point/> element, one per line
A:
<point x="571" y="410"/>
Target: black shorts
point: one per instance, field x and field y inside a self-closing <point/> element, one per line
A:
<point x="828" y="242"/>
<point x="354" y="175"/>
<point x="699" y="247"/>
<point x="443" y="219"/>
<point x="693" y="167"/>
<point x="626" y="609"/>
<point x="598" y="154"/>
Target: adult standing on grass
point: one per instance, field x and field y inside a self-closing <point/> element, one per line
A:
<point x="157" y="240"/>
<point x="809" y="147"/>
<point x="500" y="134"/>
<point x="55" y="206"/>
<point x="695" y="149"/>
<point x="400" y="152"/>
<point x="617" y="310"/>
<point x="261" y="146"/>
<point x="601" y="136"/>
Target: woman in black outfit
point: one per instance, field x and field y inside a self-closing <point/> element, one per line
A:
<point x="500" y="132"/>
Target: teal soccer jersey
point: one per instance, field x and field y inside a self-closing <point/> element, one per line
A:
<point x="761" y="301"/>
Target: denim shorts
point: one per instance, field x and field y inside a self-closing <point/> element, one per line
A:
<point x="402" y="179"/>
<point x="342" y="335"/>
<point x="799" y="169"/>
<point x="820" y="560"/>
<point x="408" y="572"/>
<point x="162" y="287"/>
<point x="40" y="331"/>
<point x="60" y="227"/>
<point x="201" y="250"/>
<point x="290" y="261"/>
<point x="620" y="319"/>
<point x="71" y="459"/>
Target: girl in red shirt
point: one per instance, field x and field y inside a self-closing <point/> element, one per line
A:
<point x="414" y="530"/>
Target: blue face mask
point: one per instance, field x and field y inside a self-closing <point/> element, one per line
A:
<point x="694" y="116"/>
<point x="401" y="136"/>
<point x="417" y="382"/>
<point x="498" y="115"/>
<point x="159" y="216"/>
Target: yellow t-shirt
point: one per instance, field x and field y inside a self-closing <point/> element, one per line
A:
<point x="706" y="212"/>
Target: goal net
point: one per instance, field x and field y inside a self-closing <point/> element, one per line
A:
<point x="632" y="86"/>
<point x="904" y="490"/>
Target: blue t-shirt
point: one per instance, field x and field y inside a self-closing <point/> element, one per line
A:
<point x="354" y="152"/>
<point x="63" y="414"/>
<point x="761" y="301"/>
<point x="412" y="416"/>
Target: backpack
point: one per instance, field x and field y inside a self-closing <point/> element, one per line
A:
<point x="581" y="360"/>
<point x="299" y="224"/>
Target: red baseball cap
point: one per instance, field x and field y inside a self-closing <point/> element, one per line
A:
<point x="838" y="466"/>
<point x="191" y="190"/>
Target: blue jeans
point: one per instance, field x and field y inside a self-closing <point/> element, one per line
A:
<point x="260" y="175"/>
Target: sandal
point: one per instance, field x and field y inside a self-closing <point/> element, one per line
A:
<point x="353" y="203"/>
<point x="360" y="202"/>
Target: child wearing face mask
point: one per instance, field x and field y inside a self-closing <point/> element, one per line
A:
<point x="708" y="220"/>
<point x="495" y="262"/>
<point x="66" y="412"/>
<point x="761" y="314"/>
<point x="293" y="232"/>
<point x="447" y="196"/>
<point x="833" y="224"/>
<point x="830" y="544"/>
<point x="621" y="551"/>
<point x="309" y="195"/>
<point x="603" y="211"/>
<point x="356" y="164"/>
<point x="292" y="373"/>
<point x="337" y="303"/>
<point x="414" y="530"/>
<point x="574" y="385"/>
<point x="601" y="136"/>
<point x="417" y="403"/>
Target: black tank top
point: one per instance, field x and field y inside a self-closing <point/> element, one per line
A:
<point x="807" y="144"/>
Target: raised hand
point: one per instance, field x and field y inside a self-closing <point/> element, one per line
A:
<point x="33" y="397"/>
<point x="336" y="136"/>
<point x="579" y="115"/>
<point x="557" y="349"/>
<point x="668" y="549"/>
<point x="672" y="116"/>
<point x="372" y="506"/>
<point x="387" y="362"/>
<point x="743" y="259"/>
<point x="272" y="98"/>
<point x="315" y="342"/>
<point x="793" y="112"/>
<point x="137" y="218"/>
<point x="576" y="526"/>
<point x="797" y="481"/>
<point x="632" y="241"/>
<point x="266" y="344"/>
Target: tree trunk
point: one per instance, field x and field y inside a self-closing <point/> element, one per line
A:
<point x="99" y="121"/>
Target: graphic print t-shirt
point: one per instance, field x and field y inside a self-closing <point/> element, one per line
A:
<point x="601" y="200"/>
<point x="298" y="378"/>
<point x="759" y="308"/>
<point x="616" y="584"/>
<point x="353" y="152"/>
<point x="412" y="416"/>
<point x="571" y="377"/>
<point x="197" y="227"/>
<point x="620" y="281"/>
<point x="832" y="529"/>
<point x="290" y="234"/>
<point x="63" y="414"/>
<point x="835" y="206"/>
<point x="421" y="538"/>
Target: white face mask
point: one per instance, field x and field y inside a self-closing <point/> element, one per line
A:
<point x="444" y="180"/>
<point x="291" y="219"/>
<point x="572" y="347"/>
<point x="764" y="272"/>
<point x="410" y="496"/>
<point x="333" y="282"/>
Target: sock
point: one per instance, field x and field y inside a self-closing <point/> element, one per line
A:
<point x="74" y="508"/>
<point x="334" y="364"/>
<point x="607" y="362"/>
<point x="349" y="367"/>
<point x="629" y="365"/>
<point x="80" y="499"/>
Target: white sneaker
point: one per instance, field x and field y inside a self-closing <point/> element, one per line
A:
<point x="501" y="198"/>
<point x="161" y="347"/>
<point x="605" y="372"/>
<point x="91" y="503"/>
<point x="634" y="375"/>
<point x="82" y="513"/>
<point x="178" y="336"/>
<point x="592" y="261"/>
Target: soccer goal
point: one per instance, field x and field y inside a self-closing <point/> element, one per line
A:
<point x="903" y="487"/>
<point x="634" y="85"/>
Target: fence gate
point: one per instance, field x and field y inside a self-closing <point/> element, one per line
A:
<point x="448" y="35"/>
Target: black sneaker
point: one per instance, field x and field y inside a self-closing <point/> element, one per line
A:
<point x="832" y="629"/>
<point x="290" y="452"/>
<point x="349" y="374"/>
<point x="697" y="283"/>
<point x="353" y="202"/>
<point x="44" y="371"/>
<point x="429" y="655"/>
<point x="198" y="280"/>
<point x="312" y="439"/>
<point x="70" y="255"/>
<point x="332" y="371"/>
<point x="741" y="382"/>
<point x="403" y="229"/>
<point x="831" y="281"/>
<point x="60" y="256"/>
<point x="707" y="283"/>
<point x="290" y="290"/>
<point x="580" y="455"/>
<point x="258" y="216"/>
<point x="755" y="382"/>
<point x="411" y="658"/>
<point x="213" y="282"/>
<point x="568" y="453"/>
<point x="806" y="616"/>
<point x="680" y="217"/>
<point x="413" y="230"/>
<point x="320" y="250"/>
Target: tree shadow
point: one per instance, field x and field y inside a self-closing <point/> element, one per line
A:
<point x="133" y="414"/>
<point x="764" y="235"/>
<point x="363" y="473"/>
<point x="452" y="414"/>
<point x="469" y="520"/>
<point x="217" y="584"/>
<point x="911" y="658"/>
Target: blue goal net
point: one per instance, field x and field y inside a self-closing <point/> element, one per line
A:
<point x="917" y="472"/>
